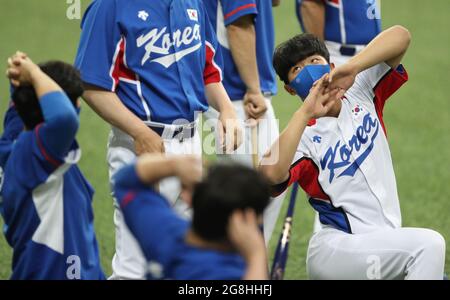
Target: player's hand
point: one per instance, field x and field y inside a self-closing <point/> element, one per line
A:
<point x="148" y="141"/>
<point x="230" y="131"/>
<point x="254" y="105"/>
<point x="21" y="69"/>
<point x="342" y="77"/>
<point x="319" y="102"/>
<point x="244" y="233"/>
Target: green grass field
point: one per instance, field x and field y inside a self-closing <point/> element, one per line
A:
<point x="417" y="117"/>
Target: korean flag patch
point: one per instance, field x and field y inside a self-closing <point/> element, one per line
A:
<point x="193" y="14"/>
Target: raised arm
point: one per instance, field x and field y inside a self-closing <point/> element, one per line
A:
<point x="316" y="105"/>
<point x="144" y="209"/>
<point x="389" y="46"/>
<point x="60" y="118"/>
<point x="312" y="13"/>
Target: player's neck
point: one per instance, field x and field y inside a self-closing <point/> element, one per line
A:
<point x="195" y="240"/>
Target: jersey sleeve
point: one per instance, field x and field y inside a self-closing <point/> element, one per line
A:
<point x="100" y="43"/>
<point x="375" y="85"/>
<point x="147" y="214"/>
<point x="235" y="9"/>
<point x="213" y="64"/>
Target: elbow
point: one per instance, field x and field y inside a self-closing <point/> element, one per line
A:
<point x="403" y="34"/>
<point x="272" y="175"/>
<point x="67" y="121"/>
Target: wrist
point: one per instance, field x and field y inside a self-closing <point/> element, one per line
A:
<point x="35" y="74"/>
<point x="303" y="114"/>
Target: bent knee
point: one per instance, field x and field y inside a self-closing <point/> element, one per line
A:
<point x="431" y="241"/>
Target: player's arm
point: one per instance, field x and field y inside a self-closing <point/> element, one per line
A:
<point x="389" y="46"/>
<point x="60" y="118"/>
<point x="312" y="13"/>
<point x="242" y="40"/>
<point x="230" y="132"/>
<point x="143" y="208"/>
<point x="99" y="44"/>
<point x="316" y="105"/>
<point x="245" y="234"/>
<point x="109" y="107"/>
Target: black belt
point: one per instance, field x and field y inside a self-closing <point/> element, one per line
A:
<point x="179" y="132"/>
<point x="347" y="50"/>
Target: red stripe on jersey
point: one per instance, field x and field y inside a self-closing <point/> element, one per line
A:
<point x="387" y="86"/>
<point x="120" y="70"/>
<point x="47" y="157"/>
<point x="212" y="72"/>
<point x="306" y="173"/>
<point x="130" y="196"/>
<point x="233" y="12"/>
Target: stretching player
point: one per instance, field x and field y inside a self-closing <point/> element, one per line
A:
<point x="224" y="240"/>
<point x="150" y="68"/>
<point x="343" y="162"/>
<point x="46" y="200"/>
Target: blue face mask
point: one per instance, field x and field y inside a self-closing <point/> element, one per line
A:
<point x="306" y="78"/>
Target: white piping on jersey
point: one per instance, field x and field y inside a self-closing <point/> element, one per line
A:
<point x="113" y="64"/>
<point x="48" y="198"/>
<point x="332" y="4"/>
<point x="208" y="44"/>
<point x="220" y="27"/>
<point x="342" y="23"/>
<point x="135" y="82"/>
<point x="141" y="96"/>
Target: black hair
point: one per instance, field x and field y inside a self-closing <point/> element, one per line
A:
<point x="26" y="101"/>
<point x="296" y="49"/>
<point x="226" y="188"/>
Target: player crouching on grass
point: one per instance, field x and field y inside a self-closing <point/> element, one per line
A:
<point x="223" y="241"/>
<point x="46" y="200"/>
<point x="337" y="150"/>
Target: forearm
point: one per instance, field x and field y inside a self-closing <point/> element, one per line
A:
<point x="217" y="97"/>
<point x="313" y="17"/>
<point x="242" y="40"/>
<point x="109" y="107"/>
<point x="284" y="149"/>
<point x="152" y="168"/>
<point x="42" y="83"/>
<point x="256" y="267"/>
<point x="389" y="46"/>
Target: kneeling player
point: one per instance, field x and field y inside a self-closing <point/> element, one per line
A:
<point x="343" y="162"/>
<point x="46" y="200"/>
<point x="223" y="241"/>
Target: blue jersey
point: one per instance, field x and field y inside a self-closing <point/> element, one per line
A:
<point x="349" y="22"/>
<point x="223" y="13"/>
<point x="161" y="235"/>
<point x="46" y="201"/>
<point x="156" y="55"/>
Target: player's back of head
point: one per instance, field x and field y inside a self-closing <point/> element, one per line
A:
<point x="225" y="189"/>
<point x="25" y="99"/>
<point x="295" y="50"/>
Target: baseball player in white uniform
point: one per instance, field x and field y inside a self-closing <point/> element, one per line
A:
<point x="336" y="148"/>
<point x="346" y="27"/>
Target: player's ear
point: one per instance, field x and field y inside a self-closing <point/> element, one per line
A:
<point x="332" y="66"/>
<point x="290" y="90"/>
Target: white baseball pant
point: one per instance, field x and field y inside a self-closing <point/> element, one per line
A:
<point x="400" y="253"/>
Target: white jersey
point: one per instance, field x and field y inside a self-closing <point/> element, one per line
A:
<point x="344" y="164"/>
